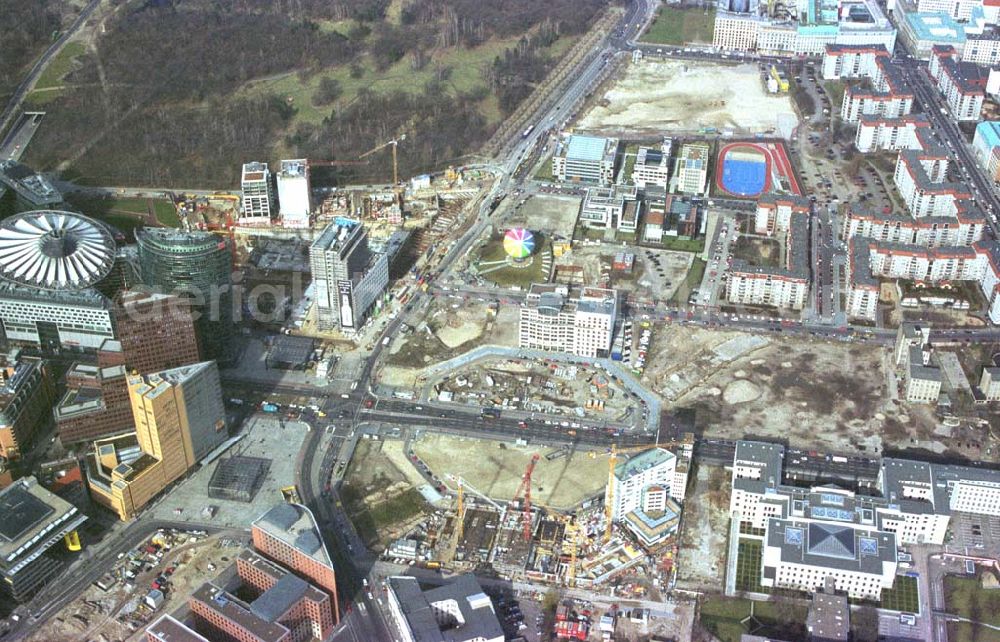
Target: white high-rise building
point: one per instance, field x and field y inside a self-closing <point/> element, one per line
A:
<point x="257" y="195"/>
<point x="655" y="467"/>
<point x="293" y="193"/>
<point x="581" y="322"/>
<point x="348" y="276"/>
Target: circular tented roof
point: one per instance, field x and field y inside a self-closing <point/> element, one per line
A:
<point x="55" y="250"/>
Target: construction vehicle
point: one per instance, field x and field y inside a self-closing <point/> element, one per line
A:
<point x="291" y="495"/>
<point x="72" y="541"/>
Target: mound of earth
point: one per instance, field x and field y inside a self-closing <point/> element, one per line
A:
<point x="740" y="391"/>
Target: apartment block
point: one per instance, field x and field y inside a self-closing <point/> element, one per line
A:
<point x="885" y="94"/>
<point x="775" y="211"/>
<point x="963" y="84"/>
<point x="879" y="133"/>
<point x="784" y="286"/>
<point x="580" y="322"/>
<point x="986" y="146"/>
<point x="989" y="383"/>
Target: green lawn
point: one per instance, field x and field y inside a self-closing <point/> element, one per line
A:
<point x="674" y="26"/>
<point x="683" y="245"/>
<point x="544" y="172"/>
<point x="166" y="213"/>
<point x="467" y="66"/>
<point x="627" y="169"/>
<point x="724" y="616"/>
<point x="514" y="276"/>
<point x="748" y="559"/>
<point x="126" y="214"/>
<point x="902" y="596"/>
<point x="835" y="92"/>
<point x="47" y="88"/>
<point x="964" y="597"/>
<point x="61" y="65"/>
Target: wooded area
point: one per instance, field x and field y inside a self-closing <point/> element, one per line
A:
<point x="159" y="103"/>
<point x="25" y="31"/>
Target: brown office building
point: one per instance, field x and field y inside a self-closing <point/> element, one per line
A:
<point x="25" y="399"/>
<point x="155" y="332"/>
<point x="288" y="535"/>
<point x="169" y="629"/>
<point x="282" y="607"/>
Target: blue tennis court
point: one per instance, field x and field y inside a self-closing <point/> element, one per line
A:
<point x="744" y="177"/>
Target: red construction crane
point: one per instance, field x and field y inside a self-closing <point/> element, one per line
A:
<point x="525" y="488"/>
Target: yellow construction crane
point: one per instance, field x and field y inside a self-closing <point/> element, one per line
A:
<point x="395" y="165"/>
<point x="571" y="537"/>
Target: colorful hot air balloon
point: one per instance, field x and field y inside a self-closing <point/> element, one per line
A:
<point x="519" y="243"/>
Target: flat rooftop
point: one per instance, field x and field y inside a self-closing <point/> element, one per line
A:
<point x="294" y="525"/>
<point x="586" y="148"/>
<point x="33" y="518"/>
<point x="169" y="629"/>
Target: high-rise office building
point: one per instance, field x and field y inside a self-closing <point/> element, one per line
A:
<point x="348" y="276"/>
<point x="156" y="331"/>
<point x="294" y="200"/>
<point x="258" y="195"/>
<point x="25" y="401"/>
<point x="179" y="419"/>
<point x="51" y="264"/>
<point x="198" y="265"/>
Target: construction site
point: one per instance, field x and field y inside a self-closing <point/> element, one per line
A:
<point x="154" y="578"/>
<point x="553" y="389"/>
<point x="529" y="513"/>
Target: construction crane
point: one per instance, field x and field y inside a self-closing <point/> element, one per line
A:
<point x="460" y="512"/>
<point x="571" y="538"/>
<point x="395" y="164"/>
<point x="525" y="488"/>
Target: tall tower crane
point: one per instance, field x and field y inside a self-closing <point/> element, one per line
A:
<point x="462" y="486"/>
<point x="525" y="488"/>
<point x="395" y="164"/>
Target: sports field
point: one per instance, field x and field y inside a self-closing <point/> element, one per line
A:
<point x="746" y="169"/>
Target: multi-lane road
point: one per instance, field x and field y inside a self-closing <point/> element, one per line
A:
<point x="17" y="99"/>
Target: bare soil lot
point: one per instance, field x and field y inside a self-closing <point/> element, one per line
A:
<point x="657" y="96"/>
<point x="495" y="468"/>
<point x="554" y="214"/>
<point x="824" y="394"/>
